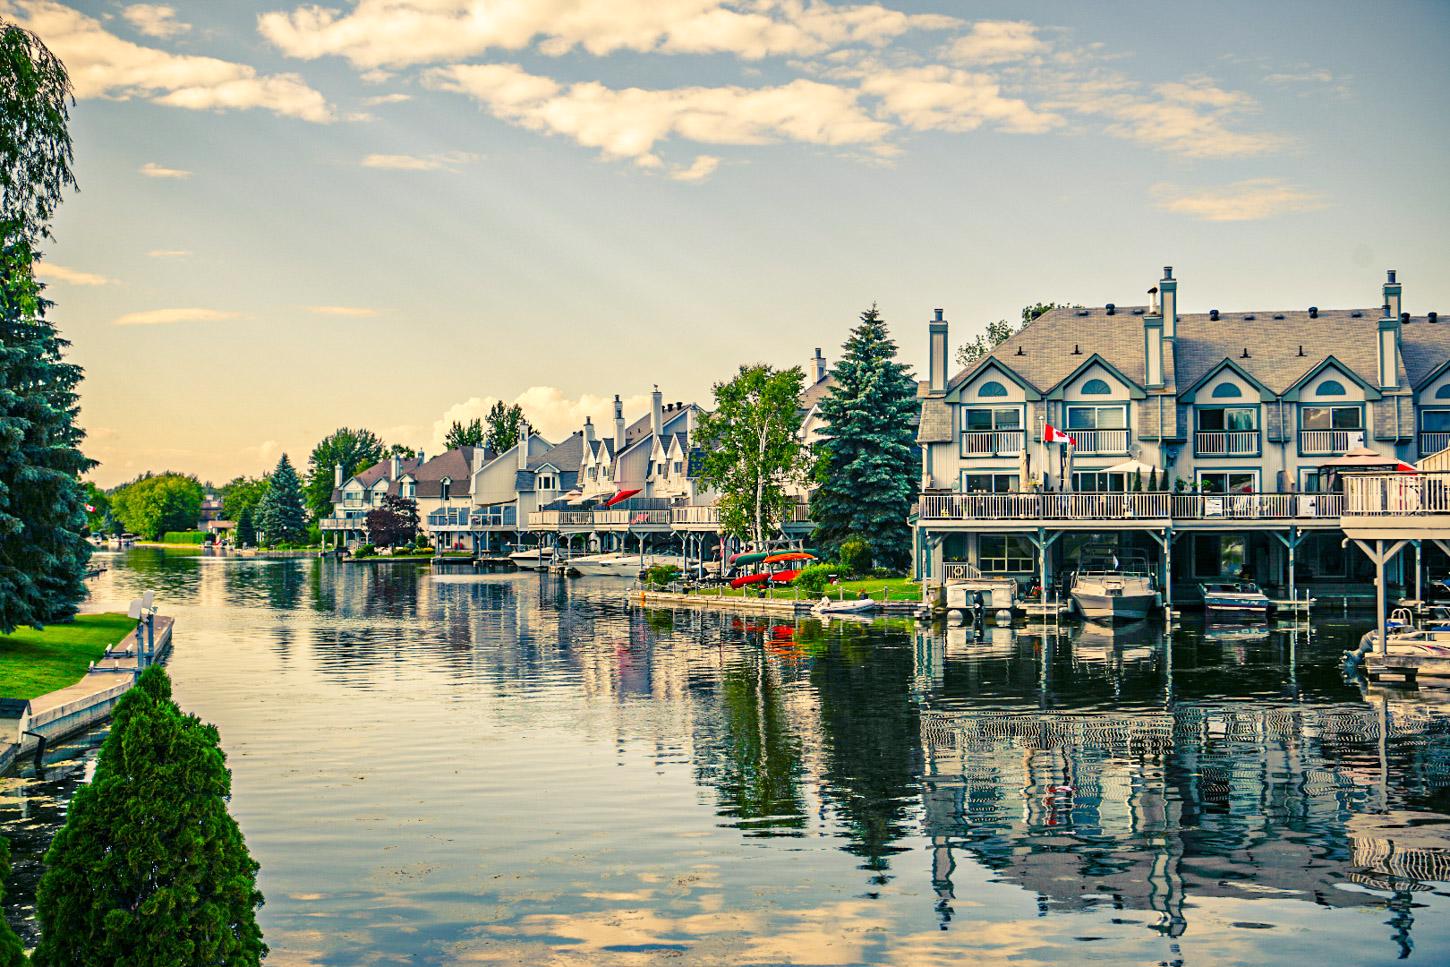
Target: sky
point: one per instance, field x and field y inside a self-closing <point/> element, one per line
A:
<point x="389" y="213"/>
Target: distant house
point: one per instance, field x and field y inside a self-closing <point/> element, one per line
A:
<point x="354" y="497"/>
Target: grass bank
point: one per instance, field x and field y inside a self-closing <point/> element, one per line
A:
<point x="878" y="589"/>
<point x="35" y="662"/>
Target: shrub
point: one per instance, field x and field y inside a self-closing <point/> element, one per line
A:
<point x="365" y="550"/>
<point x="660" y="575"/>
<point x="184" y="537"/>
<point x="813" y="579"/>
<point x="856" y="555"/>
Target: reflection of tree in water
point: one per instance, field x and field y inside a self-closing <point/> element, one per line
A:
<point x="284" y="586"/>
<point x="872" y="739"/>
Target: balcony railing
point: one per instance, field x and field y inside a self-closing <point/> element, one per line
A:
<point x="703" y="514"/>
<point x="1104" y="442"/>
<point x="1325" y="442"/>
<point x="555" y="519"/>
<point x="622" y="519"/>
<point x="1106" y="507"/>
<point x="343" y="523"/>
<point x="1397" y="495"/>
<point x="1226" y="443"/>
<point x="988" y="443"/>
<point x="1433" y="441"/>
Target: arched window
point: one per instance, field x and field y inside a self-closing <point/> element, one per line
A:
<point x="1226" y="391"/>
<point x="992" y="388"/>
<point x="1330" y="387"/>
<point x="1096" y="387"/>
<point x="1443" y="393"/>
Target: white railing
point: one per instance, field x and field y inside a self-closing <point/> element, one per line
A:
<point x="979" y="443"/>
<point x="1433" y="441"/>
<point x="1226" y="443"/>
<point x="1100" y="441"/>
<point x="343" y="523"/>
<point x="1139" y="506"/>
<point x="1322" y="442"/>
<point x="551" y="519"/>
<point x="1397" y="495"/>
<point x="703" y="514"/>
<point x="960" y="571"/>
<point x="621" y="519"/>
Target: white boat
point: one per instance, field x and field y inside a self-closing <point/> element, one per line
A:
<point x="532" y="558"/>
<point x="1234" y="599"/>
<point x="1112" y="585"/>
<point x="615" y="562"/>
<point x="845" y="606"/>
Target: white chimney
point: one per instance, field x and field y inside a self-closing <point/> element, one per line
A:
<point x="618" y="424"/>
<point x="1392" y="294"/>
<point x="397" y="467"/>
<point x="937" y="366"/>
<point x="819" y="362"/>
<point x="523" y="447"/>
<point x="589" y="436"/>
<point x="1168" y="292"/>
<point x="1153" y="350"/>
<point x="1389" y="347"/>
<point x="336" y="476"/>
<point x="656" y="413"/>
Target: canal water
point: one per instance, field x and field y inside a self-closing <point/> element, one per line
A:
<point x="437" y="769"/>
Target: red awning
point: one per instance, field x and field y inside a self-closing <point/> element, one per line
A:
<point x="622" y="495"/>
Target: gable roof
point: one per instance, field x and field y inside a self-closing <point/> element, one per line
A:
<point x="1135" y="390"/>
<point x="456" y="465"/>
<point x="996" y="365"/>
<point x="1054" y="345"/>
<point x="1425" y="347"/>
<point x="1331" y="362"/>
<point x="379" y="471"/>
<point x="1264" y="392"/>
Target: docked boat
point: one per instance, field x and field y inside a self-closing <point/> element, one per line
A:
<point x="1234" y="599"/>
<point x="614" y="562"/>
<point x="1113" y="585"/>
<point x="832" y="606"/>
<point x="532" y="558"/>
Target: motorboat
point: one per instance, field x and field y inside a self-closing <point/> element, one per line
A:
<point x="614" y="562"/>
<point x="532" y="558"/>
<point x="1239" y="599"/>
<point x="844" y="606"/>
<point x="1113" y="585"/>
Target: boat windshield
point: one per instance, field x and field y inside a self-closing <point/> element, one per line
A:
<point x="1113" y="561"/>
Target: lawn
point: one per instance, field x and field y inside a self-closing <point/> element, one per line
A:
<point x="897" y="589"/>
<point x="35" y="662"/>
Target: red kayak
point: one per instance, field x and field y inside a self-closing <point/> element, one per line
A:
<point x="745" y="579"/>
<point x="783" y="577"/>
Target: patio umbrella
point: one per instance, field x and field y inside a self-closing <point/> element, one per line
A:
<point x="1066" y="483"/>
<point x="1024" y="469"/>
<point x="1363" y="458"/>
<point x="1131" y="467"/>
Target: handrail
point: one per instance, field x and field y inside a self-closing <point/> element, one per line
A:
<point x="1216" y="443"/>
<point x="1397" y="495"/>
<point x="1136" y="506"/>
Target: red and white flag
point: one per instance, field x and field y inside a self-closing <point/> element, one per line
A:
<point x="1052" y="434"/>
<point x="90" y="509"/>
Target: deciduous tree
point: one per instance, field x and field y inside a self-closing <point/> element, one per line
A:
<point x="150" y="870"/>
<point x="504" y="424"/>
<point x="394" y="522"/>
<point x="353" y="450"/>
<point x="998" y="332"/>
<point x="243" y="493"/>
<point x="470" y="434"/>
<point x="752" y="449"/>
<point x="157" y="503"/>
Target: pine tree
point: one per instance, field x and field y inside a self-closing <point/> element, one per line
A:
<point x="12" y="951"/>
<point x="281" y="517"/>
<point x="43" y="552"/>
<point x="150" y="870"/>
<point x="866" y="466"/>
<point x="246" y="530"/>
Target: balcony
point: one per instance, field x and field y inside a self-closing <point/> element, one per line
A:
<point x="618" y="520"/>
<point x="991" y="443"/>
<point x="1226" y="443"/>
<point x="1157" y="508"/>
<point x="550" y="520"/>
<point x="1108" y="443"/>
<point x="343" y="523"/>
<point x="705" y="515"/>
<point x="1433" y="441"/>
<point x="1325" y="443"/>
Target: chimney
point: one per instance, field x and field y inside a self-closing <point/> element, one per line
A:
<point x="819" y="362"/>
<point x="422" y="457"/>
<point x="1153" y="349"/>
<point x="523" y="447"/>
<point x="1392" y="293"/>
<point x="337" y="476"/>
<point x="589" y="436"/>
<point x="397" y="468"/>
<point x="1389" y="347"/>
<point x="656" y="413"/>
<point x="1168" y="299"/>
<point x="937" y="366"/>
<point x="618" y="424"/>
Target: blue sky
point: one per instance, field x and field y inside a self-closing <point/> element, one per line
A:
<point x="391" y="212"/>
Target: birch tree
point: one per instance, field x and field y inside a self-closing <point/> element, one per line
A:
<point x="752" y="449"/>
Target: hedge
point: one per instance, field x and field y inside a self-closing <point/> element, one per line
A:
<point x="184" y="537"/>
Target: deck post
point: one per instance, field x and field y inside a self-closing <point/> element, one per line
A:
<point x="1293" y="546"/>
<point x="1042" y="564"/>
<point x="1419" y="592"/>
<point x="1168" y="572"/>
<point x="1379" y="595"/>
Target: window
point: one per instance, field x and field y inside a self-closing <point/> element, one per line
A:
<point x="1003" y="553"/>
<point x="1096" y="387"/>
<point x="1097" y="417"/>
<point x="1331" y="418"/>
<point x="679" y="466"/>
<point x="991" y="418"/>
<point x="1310" y="481"/>
<point x="1097" y="482"/>
<point x="1443" y="393"/>
<point x="1229" y="482"/>
<point x="1435" y="421"/>
<point x="1330" y="387"/>
<point x="1219" y="419"/>
<point x="990" y="389"/>
<point x="988" y="483"/>
<point x="1321" y="556"/>
<point x="1226" y="391"/>
<point x="444" y="487"/>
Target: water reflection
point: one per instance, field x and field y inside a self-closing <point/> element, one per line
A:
<point x="449" y="768"/>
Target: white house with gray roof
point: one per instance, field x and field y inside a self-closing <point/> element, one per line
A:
<point x="1235" y="417"/>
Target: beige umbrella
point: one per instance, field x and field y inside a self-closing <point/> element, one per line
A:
<point x="1067" y="451"/>
<point x="1024" y="469"/>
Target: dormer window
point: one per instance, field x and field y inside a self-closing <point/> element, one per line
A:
<point x="445" y="486"/>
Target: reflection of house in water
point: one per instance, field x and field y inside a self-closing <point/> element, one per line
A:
<point x="1153" y="809"/>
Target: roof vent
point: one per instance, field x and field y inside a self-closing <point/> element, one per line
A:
<point x="1356" y="314"/>
<point x="1111" y="308"/>
<point x="1404" y="317"/>
<point x="1021" y="351"/>
<point x="1313" y="312"/>
<point x="937" y="315"/>
<point x="1249" y="317"/>
<point x="1076" y="349"/>
<point x="1301" y="349"/>
<point x="1432" y="317"/>
<point x="1137" y="312"/>
<point x="1167" y="272"/>
<point x="1082" y="312"/>
<point x="1213" y="315"/>
<point x="1245" y="353"/>
<point x="1391" y="274"/>
<point x="1278" y="315"/>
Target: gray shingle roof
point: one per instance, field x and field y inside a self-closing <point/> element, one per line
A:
<point x="455" y="464"/>
<point x="936" y="422"/>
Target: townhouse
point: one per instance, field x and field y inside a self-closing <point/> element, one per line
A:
<point x="1213" y="440"/>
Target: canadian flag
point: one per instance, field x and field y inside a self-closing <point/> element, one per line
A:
<point x="1052" y="434"/>
<point x="90" y="509"/>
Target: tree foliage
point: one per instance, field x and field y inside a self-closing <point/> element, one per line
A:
<point x="394" y="522"/>
<point x="281" y="517"/>
<point x="243" y="493"/>
<point x="398" y="450"/>
<point x="246" y="535"/>
<point x="353" y="450"/>
<point x="504" y="424"/>
<point x="999" y="332"/>
<point x="470" y="434"/>
<point x="156" y="503"/>
<point x="99" y="518"/>
<point x="12" y="951"/>
<point x="752" y="449"/>
<point x="866" y="461"/>
<point x="43" y="551"/>
<point x="150" y="870"/>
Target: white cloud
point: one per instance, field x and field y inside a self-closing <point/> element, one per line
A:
<point x="447" y="161"/>
<point x="387" y="99"/>
<point x="153" y="170"/>
<point x="357" y="312"/>
<point x="394" y="33"/>
<point x="630" y="122"/>
<point x="939" y="98"/>
<point x="548" y="409"/>
<point x="1309" y="76"/>
<point x="154" y="19"/>
<point x="1242" y="201"/>
<point x="997" y="42"/>
<point x="166" y="317"/>
<point x="168" y="253"/>
<point x="59" y="273"/>
<point x="103" y="65"/>
<point x="701" y="168"/>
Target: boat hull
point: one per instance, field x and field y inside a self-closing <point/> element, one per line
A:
<point x="1110" y="606"/>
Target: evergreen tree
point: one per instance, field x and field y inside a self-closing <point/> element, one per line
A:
<point x="867" y="469"/>
<point x="281" y="517"/>
<point x="12" y="951"/>
<point x="353" y="450"/>
<point x="150" y="870"/>
<point x="246" y="535"/>
<point x="43" y="551"/>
